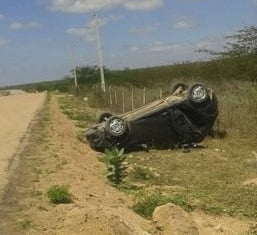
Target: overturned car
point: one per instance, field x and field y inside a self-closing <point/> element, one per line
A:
<point x="183" y="118"/>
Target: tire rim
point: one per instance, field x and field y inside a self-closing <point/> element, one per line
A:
<point x="199" y="93"/>
<point x="116" y="126"/>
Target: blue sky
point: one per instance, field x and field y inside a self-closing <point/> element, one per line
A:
<point x="37" y="37"/>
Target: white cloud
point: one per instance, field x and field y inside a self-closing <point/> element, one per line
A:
<point x="134" y="48"/>
<point x="143" y="4"/>
<point x="88" y="32"/>
<point x="83" y="33"/>
<point x="162" y="46"/>
<point x="81" y="6"/>
<point x="183" y="25"/>
<point x="184" y="22"/>
<point x="2" y="16"/>
<point x="179" y="51"/>
<point x="4" y="41"/>
<point x="24" y="25"/>
<point x="143" y="30"/>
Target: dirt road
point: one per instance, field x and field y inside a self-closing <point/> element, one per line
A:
<point x="17" y="111"/>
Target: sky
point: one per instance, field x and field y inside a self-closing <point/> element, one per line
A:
<point x="43" y="39"/>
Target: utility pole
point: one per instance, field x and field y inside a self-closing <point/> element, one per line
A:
<point x="99" y="49"/>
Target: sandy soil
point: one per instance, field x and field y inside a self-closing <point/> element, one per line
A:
<point x="97" y="207"/>
<point x="17" y="111"/>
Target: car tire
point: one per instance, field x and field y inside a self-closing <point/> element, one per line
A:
<point x="103" y="117"/>
<point x="177" y="85"/>
<point x="198" y="94"/>
<point x="116" y="126"/>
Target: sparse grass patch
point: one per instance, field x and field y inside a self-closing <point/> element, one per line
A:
<point x="76" y="109"/>
<point x="59" y="194"/>
<point x="38" y="171"/>
<point x="141" y="173"/>
<point x="252" y="230"/>
<point x="146" y="203"/>
<point x="81" y="136"/>
<point x="36" y="193"/>
<point x="81" y="124"/>
<point x="211" y="178"/>
<point x="25" y="223"/>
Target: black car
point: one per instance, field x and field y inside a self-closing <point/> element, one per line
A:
<point x="183" y="118"/>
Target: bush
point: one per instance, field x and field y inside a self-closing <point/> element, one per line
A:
<point x="114" y="160"/>
<point x="59" y="194"/>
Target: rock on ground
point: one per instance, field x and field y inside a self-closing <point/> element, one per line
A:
<point x="170" y="219"/>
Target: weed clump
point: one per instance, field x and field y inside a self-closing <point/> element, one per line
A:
<point x="59" y="194"/>
<point x="146" y="204"/>
<point x="141" y="173"/>
<point x="25" y="223"/>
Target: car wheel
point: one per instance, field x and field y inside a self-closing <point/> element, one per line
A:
<point x="103" y="117"/>
<point x="198" y="94"/>
<point x="183" y="87"/>
<point x="116" y="126"/>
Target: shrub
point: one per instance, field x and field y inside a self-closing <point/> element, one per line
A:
<point x="114" y="160"/>
<point x="59" y="194"/>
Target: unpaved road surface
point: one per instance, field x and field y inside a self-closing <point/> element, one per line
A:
<point x="17" y="111"/>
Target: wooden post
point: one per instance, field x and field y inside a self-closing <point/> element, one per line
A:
<point x="160" y="93"/>
<point x="115" y="97"/>
<point x="123" y="100"/>
<point x="132" y="98"/>
<point x="144" y="96"/>
<point x="110" y="95"/>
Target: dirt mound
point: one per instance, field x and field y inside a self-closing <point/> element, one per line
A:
<point x="172" y="220"/>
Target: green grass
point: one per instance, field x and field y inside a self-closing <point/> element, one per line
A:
<point x="25" y="223"/>
<point x="141" y="173"/>
<point x="59" y="194"/>
<point x="76" y="109"/>
<point x="205" y="179"/>
<point x="147" y="202"/>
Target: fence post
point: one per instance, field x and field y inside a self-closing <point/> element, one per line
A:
<point x="132" y="98"/>
<point x="123" y="100"/>
<point x="115" y="97"/>
<point x="144" y="96"/>
<point x="110" y="95"/>
<point x="160" y="93"/>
